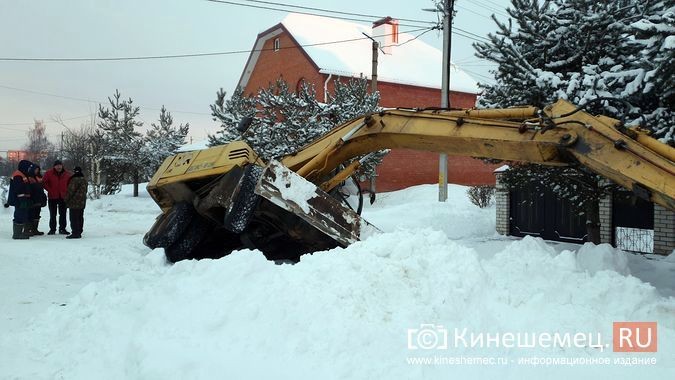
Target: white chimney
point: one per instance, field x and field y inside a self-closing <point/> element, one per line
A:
<point x="385" y="32"/>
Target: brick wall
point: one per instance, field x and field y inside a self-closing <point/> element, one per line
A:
<point x="605" y="207"/>
<point x="291" y="65"/>
<point x="403" y="168"/>
<point x="503" y="207"/>
<point x="664" y="230"/>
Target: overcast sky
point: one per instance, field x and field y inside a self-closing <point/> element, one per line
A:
<point x="186" y="86"/>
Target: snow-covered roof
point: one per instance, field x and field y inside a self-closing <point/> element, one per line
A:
<point x="412" y="62"/>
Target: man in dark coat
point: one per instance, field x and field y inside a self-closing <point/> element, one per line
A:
<point x="38" y="200"/>
<point x="19" y="197"/>
<point x="55" y="182"/>
<point x="76" y="200"/>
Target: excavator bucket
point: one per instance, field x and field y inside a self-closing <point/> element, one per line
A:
<point x="302" y="198"/>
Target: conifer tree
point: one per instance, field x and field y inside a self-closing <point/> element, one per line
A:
<point x="163" y="139"/>
<point x="124" y="157"/>
<point x="582" y="50"/>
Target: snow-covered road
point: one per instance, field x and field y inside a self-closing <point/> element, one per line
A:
<point x="107" y="307"/>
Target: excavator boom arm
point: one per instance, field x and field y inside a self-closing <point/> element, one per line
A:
<point x="560" y="137"/>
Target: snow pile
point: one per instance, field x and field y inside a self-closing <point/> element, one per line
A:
<point x="339" y="314"/>
<point x="417" y="206"/>
<point x="602" y="257"/>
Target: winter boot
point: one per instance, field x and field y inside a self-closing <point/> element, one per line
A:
<point x="74" y="236"/>
<point x="18" y="232"/>
<point x="28" y="229"/>
<point x="63" y="231"/>
<point x="35" y="231"/>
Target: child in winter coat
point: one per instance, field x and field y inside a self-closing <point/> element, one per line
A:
<point x="38" y="200"/>
<point x="19" y="197"/>
<point x="76" y="200"/>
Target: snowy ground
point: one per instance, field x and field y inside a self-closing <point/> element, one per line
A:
<point x="107" y="307"/>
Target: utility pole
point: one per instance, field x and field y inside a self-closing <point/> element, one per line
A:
<point x="373" y="80"/>
<point x="449" y="9"/>
<point x="373" y="88"/>
<point x="372" y="188"/>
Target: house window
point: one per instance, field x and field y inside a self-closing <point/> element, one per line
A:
<point x="277" y="44"/>
<point x="298" y="86"/>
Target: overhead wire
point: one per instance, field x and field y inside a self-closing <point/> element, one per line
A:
<point x="187" y="55"/>
<point x="335" y="13"/>
<point x="458" y="31"/>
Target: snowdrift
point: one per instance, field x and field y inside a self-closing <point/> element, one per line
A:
<point x="341" y="314"/>
<point x="345" y="313"/>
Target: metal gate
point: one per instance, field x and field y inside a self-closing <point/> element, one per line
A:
<point x="632" y="222"/>
<point x="544" y="215"/>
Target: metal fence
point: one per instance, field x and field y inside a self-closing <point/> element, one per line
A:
<point x="634" y="239"/>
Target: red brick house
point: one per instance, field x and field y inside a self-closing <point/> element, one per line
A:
<point x="304" y="48"/>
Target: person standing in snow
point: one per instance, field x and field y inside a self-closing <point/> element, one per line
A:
<point x="55" y="182"/>
<point x="19" y="197"/>
<point x="76" y="200"/>
<point x="38" y="200"/>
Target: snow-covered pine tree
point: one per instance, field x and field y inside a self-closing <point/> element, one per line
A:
<point x="124" y="157"/>
<point x="284" y="121"/>
<point x="579" y="50"/>
<point x="349" y="100"/>
<point x="229" y="112"/>
<point x="162" y="140"/>
<point x="653" y="29"/>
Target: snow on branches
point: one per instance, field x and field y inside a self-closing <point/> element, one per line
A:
<point x="581" y="50"/>
<point x="126" y="154"/>
<point x="284" y="121"/>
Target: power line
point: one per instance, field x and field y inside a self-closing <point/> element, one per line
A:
<point x="468" y="34"/>
<point x="70" y="118"/>
<point x="424" y="30"/>
<point x="88" y="100"/>
<point x="331" y="11"/>
<point x="488" y="7"/>
<point x="170" y="56"/>
<point x="497" y="5"/>
<point x="472" y="36"/>
<point x="474" y="12"/>
<point x="487" y="78"/>
<point x="411" y="39"/>
<point x="308" y="13"/>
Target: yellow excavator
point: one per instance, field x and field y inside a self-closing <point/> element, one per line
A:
<point x="226" y="197"/>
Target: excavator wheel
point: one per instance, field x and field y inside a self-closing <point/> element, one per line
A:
<point x="245" y="201"/>
<point x="169" y="226"/>
<point x="185" y="246"/>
